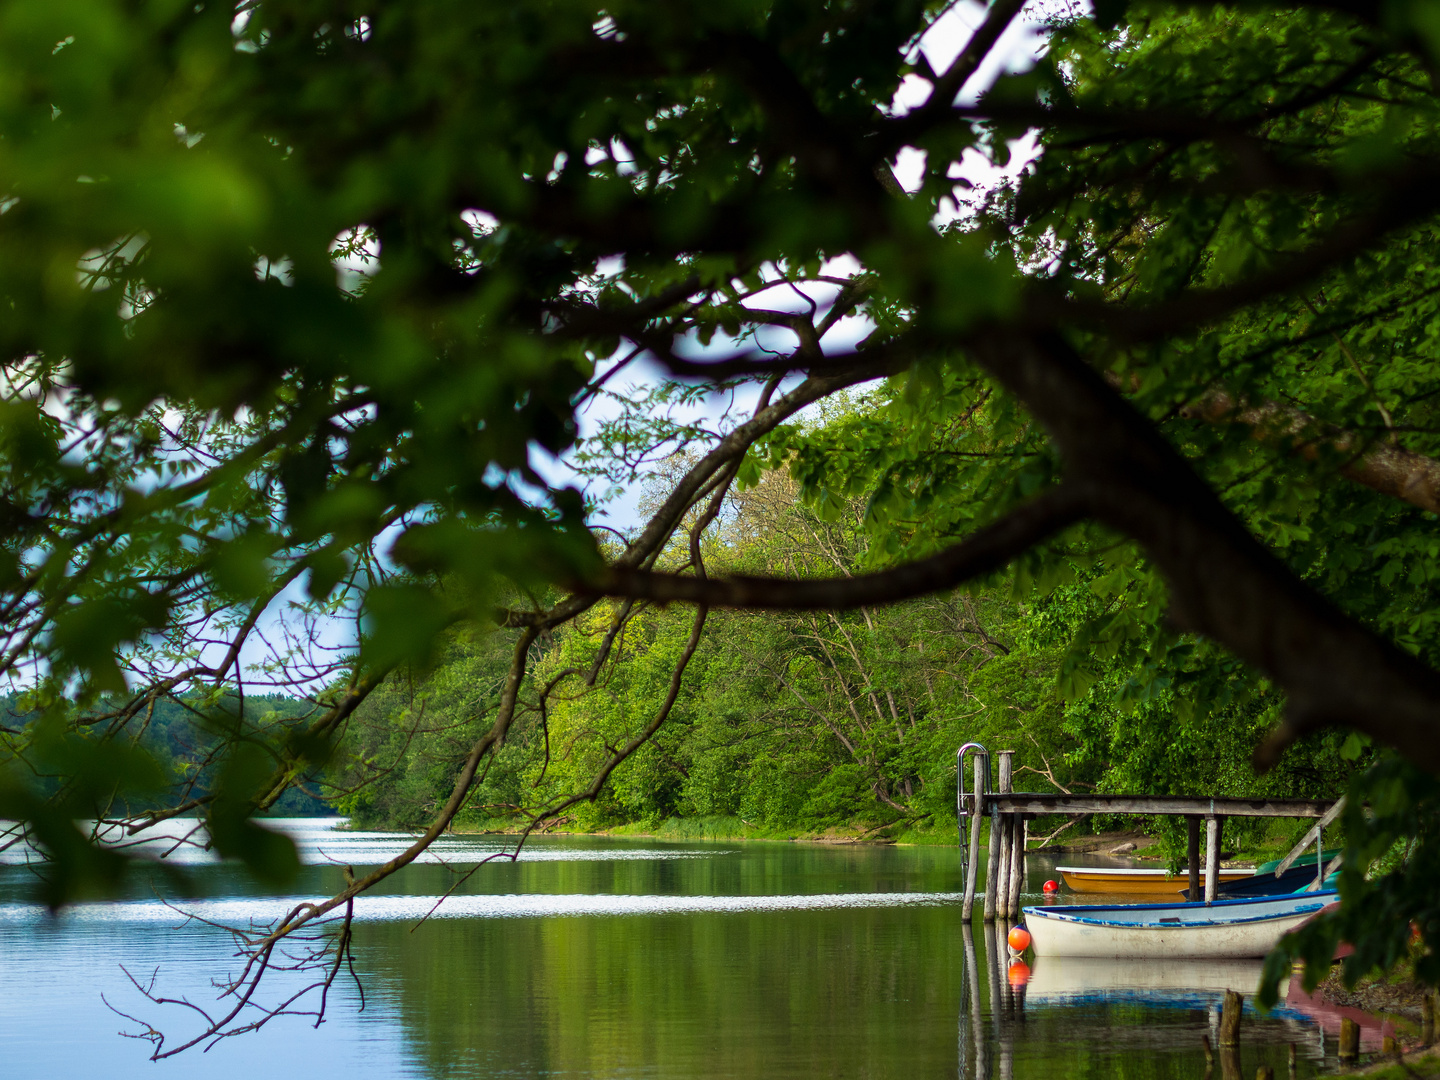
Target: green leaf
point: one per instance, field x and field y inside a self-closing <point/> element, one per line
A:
<point x="402" y="626"/>
<point x="241" y="566"/>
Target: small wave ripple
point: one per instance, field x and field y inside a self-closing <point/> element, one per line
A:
<point x="248" y="913"/>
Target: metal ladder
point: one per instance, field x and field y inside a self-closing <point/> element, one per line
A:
<point x="960" y="812"/>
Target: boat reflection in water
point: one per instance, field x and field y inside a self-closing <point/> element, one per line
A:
<point x="1084" y="1016"/>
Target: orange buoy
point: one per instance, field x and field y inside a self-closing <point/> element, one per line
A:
<point x="1019" y="940"/>
<point x="1019" y="974"/>
<point x="1052" y="886"/>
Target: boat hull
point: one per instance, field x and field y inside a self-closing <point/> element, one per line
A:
<point x="1142" y="882"/>
<point x="1267" y="884"/>
<point x="1228" y="930"/>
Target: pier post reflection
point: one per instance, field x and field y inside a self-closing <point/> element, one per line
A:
<point x="974" y="1046"/>
<point x="992" y="972"/>
<point x="1002" y="1002"/>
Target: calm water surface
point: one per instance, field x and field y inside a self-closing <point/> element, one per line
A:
<point x="596" y="958"/>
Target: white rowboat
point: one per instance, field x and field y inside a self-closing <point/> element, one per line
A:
<point x="1227" y="929"/>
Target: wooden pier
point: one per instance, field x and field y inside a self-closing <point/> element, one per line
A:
<point x="1010" y="812"/>
<point x="1037" y="803"/>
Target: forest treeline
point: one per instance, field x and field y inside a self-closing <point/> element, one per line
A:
<point x="812" y="721"/>
<point x="182" y="740"/>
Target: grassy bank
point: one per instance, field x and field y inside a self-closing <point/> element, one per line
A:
<point x="733" y="828"/>
<point x="696" y="829"/>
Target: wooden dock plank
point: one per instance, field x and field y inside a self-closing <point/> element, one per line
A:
<point x="1055" y="803"/>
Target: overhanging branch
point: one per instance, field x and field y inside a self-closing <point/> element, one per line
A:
<point x="1410" y="199"/>
<point x="984" y="551"/>
<point x="942" y="97"/>
<point x="1223" y="582"/>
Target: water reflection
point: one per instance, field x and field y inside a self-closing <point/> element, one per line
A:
<point x="185" y="842"/>
<point x="1086" y="1017"/>
<point x="593" y="958"/>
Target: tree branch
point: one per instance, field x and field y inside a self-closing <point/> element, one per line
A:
<point x="1408" y="200"/>
<point x="1390" y="470"/>
<point x="1223" y="582"/>
<point x="667" y="517"/>
<point x="938" y="106"/>
<point x="985" y="551"/>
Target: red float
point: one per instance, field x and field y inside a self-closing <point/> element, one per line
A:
<point x="1019" y="939"/>
<point x="1052" y="886"/>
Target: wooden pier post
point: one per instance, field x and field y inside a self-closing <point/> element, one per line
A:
<point x="1017" y="863"/>
<point x="1292" y="1061"/>
<point x="1231" y="1009"/>
<point x="1002" y="874"/>
<point x="1000" y="884"/>
<point x="1427" y="1019"/>
<point x="1349" y="1040"/>
<point x="992" y="864"/>
<point x="977" y="812"/>
<point x="1212" y="857"/>
<point x="1230" y="1018"/>
<point x="1192" y="855"/>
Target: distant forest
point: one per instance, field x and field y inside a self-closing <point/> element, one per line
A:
<point x="183" y="738"/>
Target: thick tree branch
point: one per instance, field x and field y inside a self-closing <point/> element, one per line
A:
<point x="985" y="551"/>
<point x="1408" y="200"/>
<point x="876" y="362"/>
<point x="942" y="97"/>
<point x="1223" y="583"/>
<point x="1390" y="470"/>
<point x="663" y="522"/>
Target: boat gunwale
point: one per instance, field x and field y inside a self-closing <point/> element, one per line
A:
<point x="1239" y="872"/>
<point x="1070" y="912"/>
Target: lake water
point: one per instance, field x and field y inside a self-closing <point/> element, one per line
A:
<point x="600" y="958"/>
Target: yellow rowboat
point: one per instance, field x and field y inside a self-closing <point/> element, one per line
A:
<point x="1092" y="879"/>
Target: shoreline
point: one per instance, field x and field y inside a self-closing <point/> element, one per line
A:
<point x="624" y="832"/>
<point x="1140" y="847"/>
<point x="1120" y="843"/>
